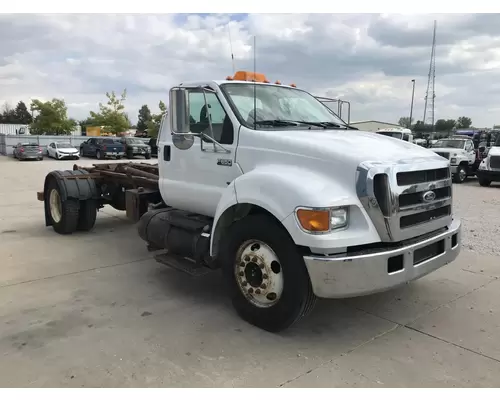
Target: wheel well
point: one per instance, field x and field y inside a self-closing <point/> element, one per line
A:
<point x="233" y="214"/>
<point x="466" y="163"/>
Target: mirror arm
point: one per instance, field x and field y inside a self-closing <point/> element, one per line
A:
<point x="215" y="142"/>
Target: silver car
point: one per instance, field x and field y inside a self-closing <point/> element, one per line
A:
<point x="28" y="151"/>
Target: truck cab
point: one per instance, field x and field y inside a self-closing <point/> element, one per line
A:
<point x="489" y="169"/>
<point x="459" y="150"/>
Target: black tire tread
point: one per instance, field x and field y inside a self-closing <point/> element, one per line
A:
<point x="87" y="215"/>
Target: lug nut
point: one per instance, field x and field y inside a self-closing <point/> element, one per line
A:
<point x="255" y="259"/>
<point x="265" y="276"/>
<point x="242" y="264"/>
<point x="241" y="273"/>
<point x="244" y="283"/>
<point x="250" y="290"/>
<point x="261" y="266"/>
<point x="247" y="258"/>
<point x="263" y="286"/>
<point x="257" y="291"/>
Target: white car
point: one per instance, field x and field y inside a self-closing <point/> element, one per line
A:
<point x="63" y="150"/>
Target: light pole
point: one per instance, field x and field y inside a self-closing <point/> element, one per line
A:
<point x="411" y="107"/>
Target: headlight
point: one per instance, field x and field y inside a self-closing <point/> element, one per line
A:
<point x="322" y="220"/>
<point x="453" y="161"/>
<point x="134" y="148"/>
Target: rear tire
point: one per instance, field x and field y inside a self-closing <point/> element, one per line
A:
<point x="147" y="156"/>
<point x="282" y="293"/>
<point x="63" y="215"/>
<point x="87" y="215"/>
<point x="98" y="154"/>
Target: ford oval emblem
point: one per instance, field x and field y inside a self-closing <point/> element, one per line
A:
<point x="429" y="196"/>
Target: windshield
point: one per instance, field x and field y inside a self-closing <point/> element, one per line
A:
<point x="134" y="141"/>
<point x="277" y="104"/>
<point x="64" y="146"/>
<point x="455" y="144"/>
<point x="396" y="135"/>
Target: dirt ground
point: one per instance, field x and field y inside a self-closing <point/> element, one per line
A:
<point x="95" y="310"/>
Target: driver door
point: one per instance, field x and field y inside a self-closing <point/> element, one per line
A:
<point x="195" y="178"/>
<point x="471" y="153"/>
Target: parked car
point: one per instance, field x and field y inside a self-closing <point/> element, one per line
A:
<point x="28" y="151"/>
<point x="136" y="147"/>
<point x="154" y="147"/>
<point x="102" y="148"/>
<point x="62" y="150"/>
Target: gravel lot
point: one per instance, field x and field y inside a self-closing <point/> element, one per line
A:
<point x="93" y="309"/>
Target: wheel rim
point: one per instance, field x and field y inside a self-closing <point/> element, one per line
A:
<point x="55" y="206"/>
<point x="461" y="174"/>
<point x="259" y="274"/>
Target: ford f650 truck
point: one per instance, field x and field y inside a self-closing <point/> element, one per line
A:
<point x="265" y="182"/>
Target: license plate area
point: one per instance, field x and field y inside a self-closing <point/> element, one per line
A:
<point x="427" y="252"/>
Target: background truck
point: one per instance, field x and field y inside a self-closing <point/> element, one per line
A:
<point x="397" y="133"/>
<point x="267" y="184"/>
<point x="459" y="150"/>
<point x="489" y="169"/>
<point x="101" y="148"/>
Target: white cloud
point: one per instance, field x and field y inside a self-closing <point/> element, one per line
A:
<point x="367" y="59"/>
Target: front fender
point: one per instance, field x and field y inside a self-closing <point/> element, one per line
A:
<point x="280" y="190"/>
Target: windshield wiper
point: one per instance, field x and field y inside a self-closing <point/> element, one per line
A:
<point x="276" y="122"/>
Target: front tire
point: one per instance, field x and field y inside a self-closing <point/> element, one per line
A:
<point x="484" y="182"/>
<point x="461" y="175"/>
<point x="98" y="154"/>
<point x="268" y="280"/>
<point x="147" y="156"/>
<point x="63" y="215"/>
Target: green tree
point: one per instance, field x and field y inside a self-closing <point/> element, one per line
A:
<point x="143" y="118"/>
<point x="8" y="115"/>
<point x="464" y="122"/>
<point x="405" y="122"/>
<point x="52" y="118"/>
<point x="22" y="114"/>
<point x="111" y="115"/>
<point x="154" y="123"/>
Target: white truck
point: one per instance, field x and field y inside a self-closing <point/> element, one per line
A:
<point x="459" y="150"/>
<point x="489" y="169"/>
<point x="265" y="182"/>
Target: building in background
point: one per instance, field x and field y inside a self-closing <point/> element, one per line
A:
<point x="373" y="126"/>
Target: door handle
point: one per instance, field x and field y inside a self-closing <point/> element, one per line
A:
<point x="166" y="153"/>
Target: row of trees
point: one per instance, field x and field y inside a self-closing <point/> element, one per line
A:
<point x="441" y="125"/>
<point x="51" y="117"/>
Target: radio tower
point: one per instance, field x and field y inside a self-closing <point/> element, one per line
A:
<point x="430" y="94"/>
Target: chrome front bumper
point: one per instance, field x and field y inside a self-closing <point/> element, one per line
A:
<point x="371" y="271"/>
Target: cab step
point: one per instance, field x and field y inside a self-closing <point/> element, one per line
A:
<point x="182" y="264"/>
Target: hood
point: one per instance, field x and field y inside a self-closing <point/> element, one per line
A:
<point x="341" y="145"/>
<point x="446" y="149"/>
<point x="494" y="151"/>
<point x="66" y="150"/>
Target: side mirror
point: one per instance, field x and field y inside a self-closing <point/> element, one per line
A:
<point x="179" y="110"/>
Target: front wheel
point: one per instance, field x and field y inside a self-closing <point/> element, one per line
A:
<point x="484" y="182"/>
<point x="147" y="156"/>
<point x="461" y="175"/>
<point x="268" y="280"/>
<point x="98" y="154"/>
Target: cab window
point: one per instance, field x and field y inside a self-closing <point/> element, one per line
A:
<point x="199" y="114"/>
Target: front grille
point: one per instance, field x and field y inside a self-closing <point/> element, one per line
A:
<point x="495" y="162"/>
<point x="445" y="155"/>
<point x="415" y="177"/>
<point x="419" y="218"/>
<point x="404" y="203"/>
<point x="412" y="199"/>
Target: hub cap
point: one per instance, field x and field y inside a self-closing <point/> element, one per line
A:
<point x="258" y="273"/>
<point x="462" y="174"/>
<point x="55" y="205"/>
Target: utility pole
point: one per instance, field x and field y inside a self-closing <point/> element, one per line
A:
<point x="430" y="93"/>
<point x="411" y="107"/>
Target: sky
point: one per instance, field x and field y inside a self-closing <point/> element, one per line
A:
<point x="367" y="59"/>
